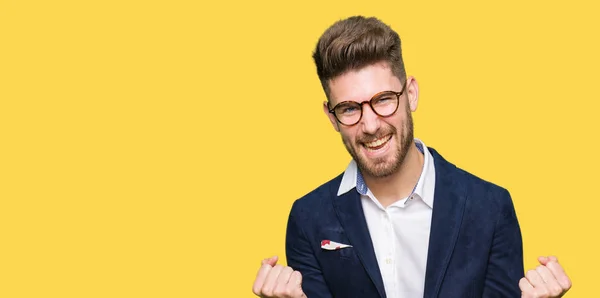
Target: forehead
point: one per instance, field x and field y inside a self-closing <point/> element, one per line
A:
<point x="361" y="84"/>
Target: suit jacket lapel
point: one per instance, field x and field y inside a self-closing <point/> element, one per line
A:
<point x="350" y="213"/>
<point x="448" y="210"/>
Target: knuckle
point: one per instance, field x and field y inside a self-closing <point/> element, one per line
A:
<point x="256" y="288"/>
<point x="287" y="269"/>
<point x="268" y="291"/>
<point x="556" y="290"/>
<point x="280" y="291"/>
<point x="288" y="291"/>
<point x="296" y="292"/>
<point x="543" y="292"/>
<point x="265" y="267"/>
<point x="529" y="273"/>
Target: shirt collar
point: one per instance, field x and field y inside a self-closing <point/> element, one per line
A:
<point x="424" y="189"/>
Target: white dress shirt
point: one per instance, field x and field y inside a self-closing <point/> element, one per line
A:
<point x="400" y="232"/>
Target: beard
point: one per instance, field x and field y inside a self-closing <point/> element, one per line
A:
<point x="383" y="166"/>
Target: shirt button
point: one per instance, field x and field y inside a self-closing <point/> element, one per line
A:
<point x="388" y="261"/>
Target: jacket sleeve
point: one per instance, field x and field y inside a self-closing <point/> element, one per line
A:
<point x="505" y="265"/>
<point x="301" y="258"/>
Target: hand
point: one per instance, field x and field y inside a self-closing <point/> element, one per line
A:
<point x="277" y="281"/>
<point x="547" y="280"/>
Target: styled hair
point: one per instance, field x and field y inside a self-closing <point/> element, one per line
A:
<point x="354" y="43"/>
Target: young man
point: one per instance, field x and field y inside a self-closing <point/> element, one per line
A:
<point x="401" y="221"/>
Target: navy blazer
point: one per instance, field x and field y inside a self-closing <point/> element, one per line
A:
<point x="475" y="245"/>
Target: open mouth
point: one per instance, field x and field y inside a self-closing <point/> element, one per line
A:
<point x="378" y="143"/>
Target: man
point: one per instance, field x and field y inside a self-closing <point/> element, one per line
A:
<point x="401" y="221"/>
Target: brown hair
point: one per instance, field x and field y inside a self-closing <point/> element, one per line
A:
<point x="354" y="43"/>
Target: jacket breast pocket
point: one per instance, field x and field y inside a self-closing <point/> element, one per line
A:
<point x="343" y="253"/>
<point x="330" y="238"/>
<point x="339" y="262"/>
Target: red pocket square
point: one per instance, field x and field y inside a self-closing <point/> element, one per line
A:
<point x="332" y="245"/>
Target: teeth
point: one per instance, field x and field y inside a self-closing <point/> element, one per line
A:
<point x="378" y="142"/>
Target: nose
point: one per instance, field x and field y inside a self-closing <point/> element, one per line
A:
<point x="369" y="121"/>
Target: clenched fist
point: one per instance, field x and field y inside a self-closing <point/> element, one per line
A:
<point x="277" y="281"/>
<point x="547" y="280"/>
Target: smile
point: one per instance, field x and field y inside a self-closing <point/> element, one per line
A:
<point x="378" y="143"/>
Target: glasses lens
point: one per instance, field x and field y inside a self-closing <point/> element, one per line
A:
<point x="348" y="112"/>
<point x="385" y="104"/>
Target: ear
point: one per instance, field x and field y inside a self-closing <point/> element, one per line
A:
<point x="331" y="117"/>
<point x="412" y="91"/>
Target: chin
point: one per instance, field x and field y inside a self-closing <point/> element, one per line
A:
<point x="379" y="169"/>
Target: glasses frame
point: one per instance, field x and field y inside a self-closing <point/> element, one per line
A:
<point x="370" y="102"/>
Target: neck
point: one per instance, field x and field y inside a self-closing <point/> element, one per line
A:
<point x="400" y="184"/>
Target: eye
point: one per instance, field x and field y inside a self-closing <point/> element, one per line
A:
<point x="385" y="99"/>
<point x="346" y="109"/>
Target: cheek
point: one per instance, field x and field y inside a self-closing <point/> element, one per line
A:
<point x="401" y="119"/>
<point x="348" y="135"/>
<point x="396" y="123"/>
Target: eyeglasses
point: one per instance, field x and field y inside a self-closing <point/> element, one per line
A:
<point x="384" y="104"/>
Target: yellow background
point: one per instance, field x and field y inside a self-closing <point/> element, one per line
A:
<point x="154" y="148"/>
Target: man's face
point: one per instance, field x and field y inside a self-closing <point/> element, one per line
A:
<point x="377" y="144"/>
